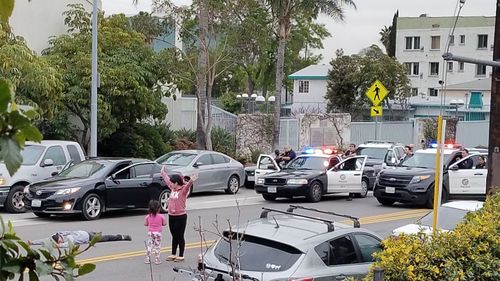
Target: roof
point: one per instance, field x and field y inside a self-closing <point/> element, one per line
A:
<point x="51" y="142"/>
<point x="312" y="72"/>
<point x="425" y="22"/>
<point x="295" y="231"/>
<point x="475" y="85"/>
<point x="465" y="205"/>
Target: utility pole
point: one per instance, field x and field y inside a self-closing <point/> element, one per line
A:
<point x="93" y="95"/>
<point x="493" y="179"/>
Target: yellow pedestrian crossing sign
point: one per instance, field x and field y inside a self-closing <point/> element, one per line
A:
<point x="376" y="93"/>
<point x="375" y="111"/>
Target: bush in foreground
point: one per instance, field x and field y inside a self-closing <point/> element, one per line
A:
<point x="470" y="252"/>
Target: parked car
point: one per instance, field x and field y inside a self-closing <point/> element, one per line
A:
<point x="449" y="215"/>
<point x="97" y="185"/>
<point x="40" y="161"/>
<point x="216" y="171"/>
<point x="290" y="245"/>
<point x="250" y="176"/>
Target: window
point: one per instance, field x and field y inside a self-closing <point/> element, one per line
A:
<point x="303" y="86"/>
<point x="55" y="153"/>
<point x="482" y="41"/>
<point x="123" y="175"/>
<point x="435" y="42"/>
<point x="205" y="160"/>
<point x="265" y="162"/>
<point x="433" y="92"/>
<point x="414" y="92"/>
<point x="31" y="154"/>
<point x="452" y="40"/>
<point x="176" y="159"/>
<point x="434" y="68"/>
<point x="461" y="66"/>
<point x="449" y="66"/>
<point x="343" y="251"/>
<point x="480" y="69"/>
<point x="412" y="68"/>
<point x="73" y="154"/>
<point x="462" y="39"/>
<point x="143" y="170"/>
<point x="367" y="246"/>
<point x="412" y="43"/>
<point x="219" y="159"/>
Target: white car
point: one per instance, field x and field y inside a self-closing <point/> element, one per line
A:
<point x="450" y="214"/>
<point x="40" y="161"/>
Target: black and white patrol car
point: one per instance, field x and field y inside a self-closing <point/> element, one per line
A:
<point x="311" y="175"/>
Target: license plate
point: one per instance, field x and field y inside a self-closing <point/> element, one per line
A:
<point x="36" y="203"/>
<point x="251" y="178"/>
<point x="389" y="189"/>
<point x="272" y="189"/>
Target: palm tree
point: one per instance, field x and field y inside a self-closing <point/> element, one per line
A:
<point x="385" y="37"/>
<point x="284" y="12"/>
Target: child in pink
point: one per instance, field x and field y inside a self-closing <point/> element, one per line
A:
<point x="155" y="223"/>
<point x="177" y="217"/>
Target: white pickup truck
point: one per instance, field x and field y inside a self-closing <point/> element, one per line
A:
<point x="40" y="161"/>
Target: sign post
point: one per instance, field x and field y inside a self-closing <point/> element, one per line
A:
<point x="376" y="94"/>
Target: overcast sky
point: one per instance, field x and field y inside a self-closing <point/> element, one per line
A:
<point x="361" y="27"/>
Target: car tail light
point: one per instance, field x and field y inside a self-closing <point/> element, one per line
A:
<point x="301" y="279"/>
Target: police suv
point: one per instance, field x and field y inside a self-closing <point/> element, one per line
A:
<point x="413" y="180"/>
<point x="311" y="174"/>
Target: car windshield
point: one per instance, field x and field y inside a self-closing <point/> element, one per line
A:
<point x="258" y="254"/>
<point x="448" y="218"/>
<point x="81" y="170"/>
<point x="308" y="163"/>
<point x="423" y="160"/>
<point x="373" y="152"/>
<point x="31" y="154"/>
<point x="176" y="159"/>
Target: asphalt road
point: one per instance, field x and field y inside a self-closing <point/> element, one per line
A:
<point x="214" y="212"/>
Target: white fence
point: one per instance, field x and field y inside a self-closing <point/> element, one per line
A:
<point x="403" y="131"/>
<point x="473" y="133"/>
<point x="289" y="133"/>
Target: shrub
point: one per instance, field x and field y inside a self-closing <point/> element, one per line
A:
<point x="223" y="141"/>
<point x="184" y="134"/>
<point x="470" y="252"/>
<point x="254" y="154"/>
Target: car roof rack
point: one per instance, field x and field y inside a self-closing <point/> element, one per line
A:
<point x="266" y="211"/>
<point x="354" y="220"/>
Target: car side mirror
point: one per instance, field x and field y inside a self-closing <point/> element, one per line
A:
<point x="47" y="162"/>
<point x="197" y="164"/>
<point x="454" y="168"/>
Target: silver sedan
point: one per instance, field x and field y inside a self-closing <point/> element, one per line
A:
<point x="216" y="171"/>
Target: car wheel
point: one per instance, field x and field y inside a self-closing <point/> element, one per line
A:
<point x="364" y="189"/>
<point x="41" y="215"/>
<point x="92" y="207"/>
<point x="164" y="201"/>
<point x="430" y="198"/>
<point x="315" y="192"/>
<point x="14" y="202"/>
<point x="233" y="185"/>
<point x="386" y="202"/>
<point x="268" y="197"/>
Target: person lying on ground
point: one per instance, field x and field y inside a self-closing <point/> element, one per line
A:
<point x="62" y="239"/>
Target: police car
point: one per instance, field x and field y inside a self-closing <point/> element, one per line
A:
<point x="413" y="180"/>
<point x="311" y="174"/>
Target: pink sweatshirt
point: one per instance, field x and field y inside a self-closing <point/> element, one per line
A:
<point x="177" y="199"/>
<point x="155" y="223"/>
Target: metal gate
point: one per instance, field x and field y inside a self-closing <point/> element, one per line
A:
<point x="289" y="133"/>
<point x="403" y="132"/>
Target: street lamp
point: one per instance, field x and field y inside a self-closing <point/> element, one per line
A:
<point x="263" y="99"/>
<point x="252" y="102"/>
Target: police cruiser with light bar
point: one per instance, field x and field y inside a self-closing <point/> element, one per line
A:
<point x="413" y="180"/>
<point x="312" y="174"/>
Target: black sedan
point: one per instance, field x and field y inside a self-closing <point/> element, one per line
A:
<point x="98" y="185"/>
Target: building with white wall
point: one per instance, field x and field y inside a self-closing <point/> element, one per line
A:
<point x="421" y="42"/>
<point x="309" y="89"/>
<point x="38" y="20"/>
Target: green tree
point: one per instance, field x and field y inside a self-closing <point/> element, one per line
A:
<point x="385" y="37"/>
<point x="285" y="13"/>
<point x="392" y="38"/>
<point x="129" y="89"/>
<point x="351" y="76"/>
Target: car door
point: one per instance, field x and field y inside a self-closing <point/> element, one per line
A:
<point x="204" y="167"/>
<point x="51" y="163"/>
<point x="221" y="170"/>
<point x="467" y="181"/>
<point x="265" y="165"/>
<point x="347" y="175"/>
<point x="130" y="187"/>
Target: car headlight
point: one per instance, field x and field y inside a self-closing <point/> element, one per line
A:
<point x="67" y="191"/>
<point x="417" y="179"/>
<point x="296" y="181"/>
<point x="260" y="181"/>
<point x="3" y="181"/>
